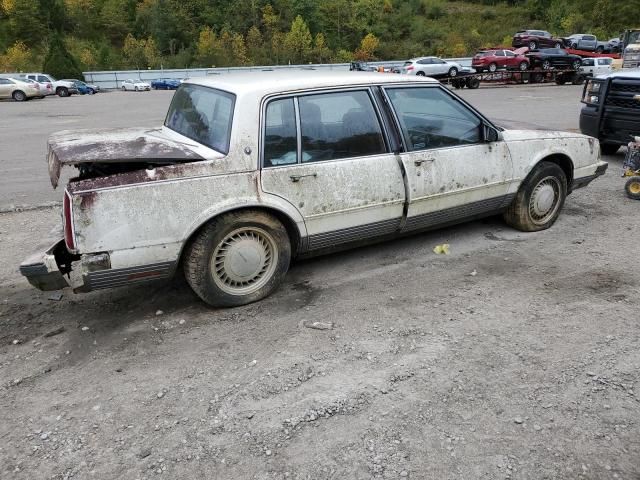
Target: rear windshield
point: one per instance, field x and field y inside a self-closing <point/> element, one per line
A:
<point x="202" y="114"/>
<point x="406" y="64"/>
<point x="483" y="54"/>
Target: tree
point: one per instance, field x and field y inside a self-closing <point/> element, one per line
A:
<point x="368" y="47"/>
<point x="58" y="61"/>
<point x="17" y="58"/>
<point x="255" y="46"/>
<point x="239" y="50"/>
<point x="298" y="41"/>
<point x="133" y="51"/>
<point x="321" y="53"/>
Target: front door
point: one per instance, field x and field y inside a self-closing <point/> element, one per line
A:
<point x="326" y="154"/>
<point x="6" y="87"/>
<point x="452" y="172"/>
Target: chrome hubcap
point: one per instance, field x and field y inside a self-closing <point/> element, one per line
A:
<point x="544" y="200"/>
<point x="244" y="261"/>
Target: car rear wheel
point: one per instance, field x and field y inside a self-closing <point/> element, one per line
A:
<point x="574" y="46"/>
<point x="557" y="45"/>
<point x="600" y="49"/>
<point x="420" y="74"/>
<point x="124" y="89"/>
<point x="546" y="65"/>
<point x="523" y="66"/>
<point x="576" y="64"/>
<point x="62" y="92"/>
<point x="493" y="67"/>
<point x="453" y="72"/>
<point x="609" y="148"/>
<point x="19" y="96"/>
<point x="539" y="199"/>
<point x="533" y="45"/>
<point x="238" y="258"/>
<point x="632" y="188"/>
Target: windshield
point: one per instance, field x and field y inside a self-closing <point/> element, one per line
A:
<point x="202" y="114"/>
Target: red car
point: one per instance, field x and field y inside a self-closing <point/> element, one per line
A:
<point x="492" y="60"/>
<point x="535" y="39"/>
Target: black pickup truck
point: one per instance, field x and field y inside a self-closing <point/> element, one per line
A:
<point x="612" y="109"/>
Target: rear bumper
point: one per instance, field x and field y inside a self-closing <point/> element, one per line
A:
<point x="54" y="269"/>
<point x="584" y="181"/>
<point x="42" y="270"/>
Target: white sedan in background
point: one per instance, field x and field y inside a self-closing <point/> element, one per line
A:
<point x="431" y="67"/>
<point x="135" y="85"/>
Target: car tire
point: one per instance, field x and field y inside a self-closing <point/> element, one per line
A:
<point x="557" y="45"/>
<point x="453" y="72"/>
<point x="524" y="66"/>
<point x="135" y="89"/>
<point x="124" y="89"/>
<point x="533" y="45"/>
<point x="539" y="199"/>
<point x="62" y="92"/>
<point x="576" y="65"/>
<point x="224" y="244"/>
<point x="609" y="148"/>
<point x="19" y="96"/>
<point x="420" y="74"/>
<point x="632" y="188"/>
<point x="493" y="67"/>
<point x="546" y="65"/>
<point x="600" y="49"/>
<point x="473" y="83"/>
<point x="574" y="46"/>
<point x="561" y="80"/>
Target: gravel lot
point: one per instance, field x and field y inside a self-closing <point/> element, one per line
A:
<point x="514" y="357"/>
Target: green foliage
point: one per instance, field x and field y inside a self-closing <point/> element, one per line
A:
<point x="58" y="61"/>
<point x="110" y="34"/>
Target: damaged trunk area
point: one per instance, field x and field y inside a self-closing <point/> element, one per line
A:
<point x="102" y="153"/>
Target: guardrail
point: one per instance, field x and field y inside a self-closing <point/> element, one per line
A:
<point x="114" y="79"/>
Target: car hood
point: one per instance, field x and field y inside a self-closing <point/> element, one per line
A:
<point x="136" y="146"/>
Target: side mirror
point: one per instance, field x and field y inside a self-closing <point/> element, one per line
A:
<point x="491" y="134"/>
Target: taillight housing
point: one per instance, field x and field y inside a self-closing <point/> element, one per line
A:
<point x="69" y="234"/>
<point x="410" y="67"/>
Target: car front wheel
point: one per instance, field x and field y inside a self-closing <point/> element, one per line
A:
<point x="533" y="45"/>
<point x="546" y="65"/>
<point x="524" y="66"/>
<point x="493" y="67"/>
<point x="238" y="258"/>
<point x="539" y="199"/>
<point x="62" y="92"/>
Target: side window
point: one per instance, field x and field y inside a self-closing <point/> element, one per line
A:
<point x="339" y="125"/>
<point x="587" y="62"/>
<point x="425" y="61"/>
<point x="509" y="54"/>
<point x="280" y="137"/>
<point x="4" y="81"/>
<point x="500" y="53"/>
<point x="42" y="79"/>
<point x="431" y="118"/>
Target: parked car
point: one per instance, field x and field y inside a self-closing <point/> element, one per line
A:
<point x="19" y="90"/>
<point x="135" y="85"/>
<point x="610" y="46"/>
<point x="592" y="67"/>
<point x="361" y="67"/>
<point x="611" y="111"/>
<point x="44" y="88"/>
<point x="83" y="87"/>
<point x="548" y="58"/>
<point x="62" y="88"/>
<point x="250" y="171"/>
<point x="492" y="60"/>
<point x="431" y="67"/>
<point x="581" y="41"/>
<point x="165" y="84"/>
<point x="535" y="39"/>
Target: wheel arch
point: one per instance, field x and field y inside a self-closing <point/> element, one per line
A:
<point x="561" y="159"/>
<point x="293" y="231"/>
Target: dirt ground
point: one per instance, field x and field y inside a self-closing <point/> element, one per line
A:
<point x="514" y="357"/>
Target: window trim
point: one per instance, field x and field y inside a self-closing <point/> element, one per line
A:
<point x="482" y="118"/>
<point x="306" y="93"/>
<point x="233" y="98"/>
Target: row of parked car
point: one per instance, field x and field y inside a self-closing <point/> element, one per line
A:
<point x="138" y="85"/>
<point x="25" y="86"/>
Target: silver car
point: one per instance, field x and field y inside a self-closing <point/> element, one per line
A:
<point x="581" y="41"/>
<point x="250" y="171"/>
<point x="434" y="67"/>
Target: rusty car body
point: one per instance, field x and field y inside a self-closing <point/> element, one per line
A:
<point x="248" y="173"/>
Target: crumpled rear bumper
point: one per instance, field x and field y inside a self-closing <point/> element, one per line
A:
<point x="42" y="271"/>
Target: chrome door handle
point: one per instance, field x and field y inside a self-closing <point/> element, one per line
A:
<point x="419" y="162"/>
<point x="296" y="178"/>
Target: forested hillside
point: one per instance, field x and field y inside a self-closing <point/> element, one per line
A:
<point x="110" y="34"/>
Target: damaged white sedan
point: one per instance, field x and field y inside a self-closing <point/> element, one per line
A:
<point x="249" y="172"/>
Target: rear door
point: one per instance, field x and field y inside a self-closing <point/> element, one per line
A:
<point x="452" y="172"/>
<point x="327" y="155"/>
